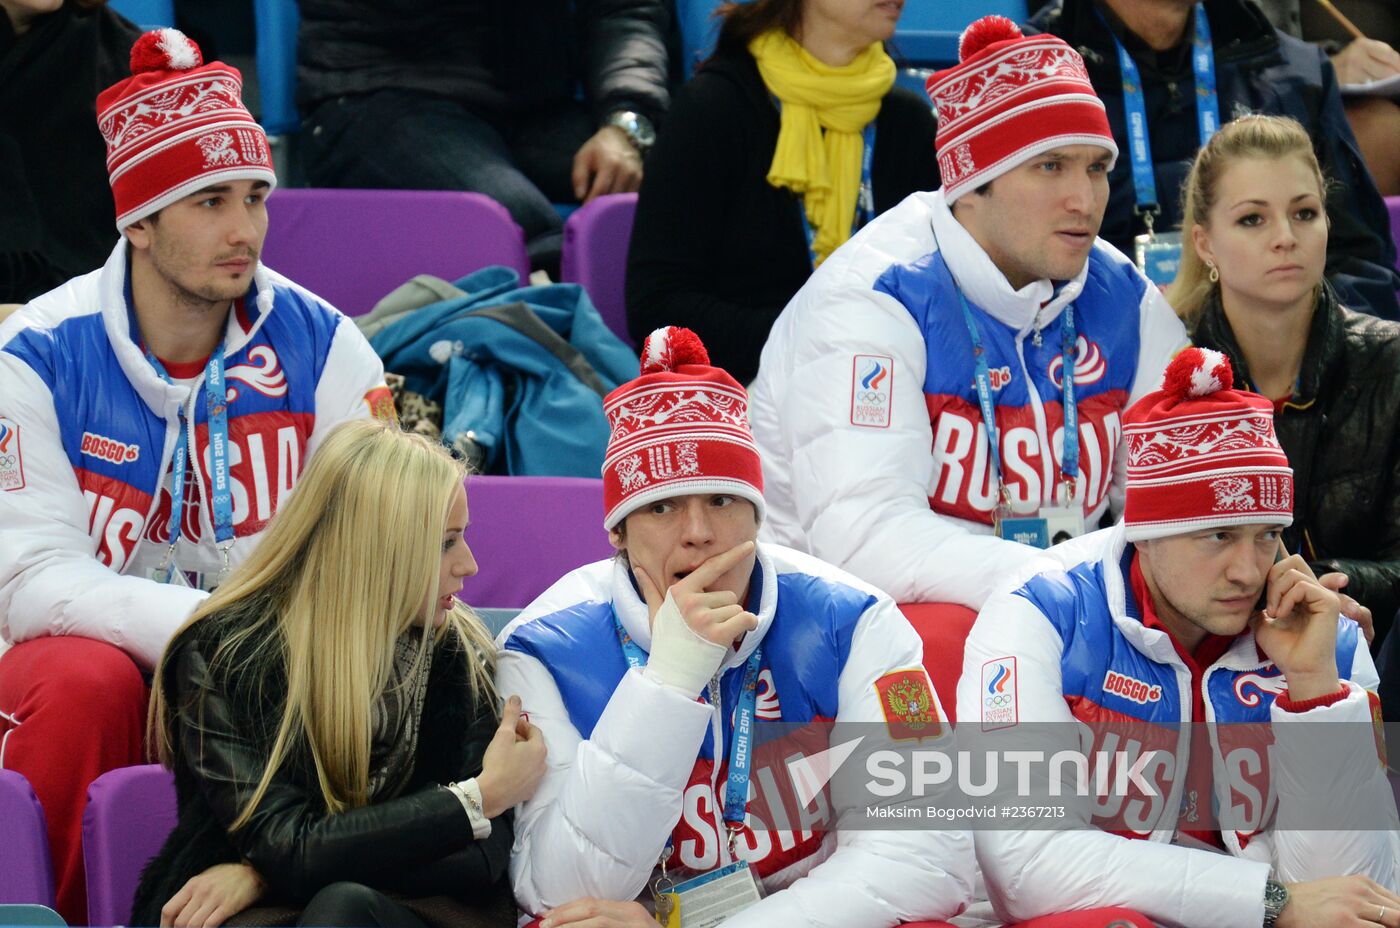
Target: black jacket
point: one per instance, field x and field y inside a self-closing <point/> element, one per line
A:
<point x="56" y="214"/>
<point x="1258" y="70"/>
<point x="1341" y="432"/>
<point x="490" y="55"/>
<point x="718" y="249"/>
<point x="418" y="844"/>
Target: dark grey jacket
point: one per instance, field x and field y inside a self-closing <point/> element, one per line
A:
<point x="491" y="55"/>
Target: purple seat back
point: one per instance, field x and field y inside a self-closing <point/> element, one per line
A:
<point x="596" y="237"/>
<point x="527" y="532"/>
<point x="352" y="247"/>
<point x="130" y="812"/>
<point x="26" y="873"/>
<point x="1393" y="204"/>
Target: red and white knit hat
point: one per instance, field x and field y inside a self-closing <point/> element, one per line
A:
<point x="1202" y="454"/>
<point x="680" y="428"/>
<point x="1011" y="98"/>
<point x="176" y="126"/>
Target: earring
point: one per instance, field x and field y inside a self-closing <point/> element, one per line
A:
<point x="1214" y="274"/>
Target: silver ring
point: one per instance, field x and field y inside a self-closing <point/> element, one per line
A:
<point x="1381" y="917"/>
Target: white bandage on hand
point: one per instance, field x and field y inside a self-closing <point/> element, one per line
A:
<point x="680" y="658"/>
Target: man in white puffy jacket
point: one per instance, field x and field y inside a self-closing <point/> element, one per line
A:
<point x="871" y="408"/>
<point x="647" y="673"/>
<point x="181" y="363"/>
<point x="1251" y="726"/>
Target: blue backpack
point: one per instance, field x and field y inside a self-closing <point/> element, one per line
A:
<point x="521" y="371"/>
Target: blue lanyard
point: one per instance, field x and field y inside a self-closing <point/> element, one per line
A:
<point x="865" y="202"/>
<point x="736" y="790"/>
<point x="1070" y="456"/>
<point x="1207" y="110"/>
<point x="222" y="497"/>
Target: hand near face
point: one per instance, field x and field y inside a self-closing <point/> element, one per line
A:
<point x="1298" y="629"/>
<point x="209" y="899"/>
<point x="715" y="615"/>
<point x="597" y="913"/>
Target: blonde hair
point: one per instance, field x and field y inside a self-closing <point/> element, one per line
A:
<point x="1247" y="137"/>
<point x="342" y="571"/>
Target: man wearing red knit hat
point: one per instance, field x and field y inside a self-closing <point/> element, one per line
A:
<point x="946" y="393"/>
<point x="648" y="673"/>
<point x="153" y="416"/>
<point x="1188" y="611"/>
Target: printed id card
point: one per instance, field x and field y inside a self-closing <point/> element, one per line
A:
<point x="712" y="897"/>
<point x="1158" y="256"/>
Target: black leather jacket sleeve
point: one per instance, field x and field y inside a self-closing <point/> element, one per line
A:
<point x="293" y="842"/>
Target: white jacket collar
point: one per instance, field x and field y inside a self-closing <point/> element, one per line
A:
<point x="983" y="283"/>
<point x="163" y="398"/>
<point x="631" y="609"/>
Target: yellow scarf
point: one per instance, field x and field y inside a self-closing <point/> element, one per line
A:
<point x="825" y="171"/>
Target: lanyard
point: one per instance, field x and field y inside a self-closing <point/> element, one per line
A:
<point x="736" y="790"/>
<point x="1070" y="453"/>
<point x="1207" y="111"/>
<point x="222" y="498"/>
<point x="865" y="202"/>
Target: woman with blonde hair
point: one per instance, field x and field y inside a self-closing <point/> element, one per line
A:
<point x="1251" y="285"/>
<point x="330" y="718"/>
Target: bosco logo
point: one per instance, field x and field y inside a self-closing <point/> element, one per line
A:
<point x="109" y="449"/>
<point x="1134" y="690"/>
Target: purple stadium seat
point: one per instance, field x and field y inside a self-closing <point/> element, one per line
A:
<point x="1393" y="204"/>
<point x="26" y="874"/>
<point x="351" y="247"/>
<point x="596" y="237"/>
<point x="527" y="532"/>
<point x="130" y="812"/>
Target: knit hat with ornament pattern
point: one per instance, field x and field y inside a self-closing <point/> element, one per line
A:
<point x="1203" y="455"/>
<point x="679" y="429"/>
<point x="176" y="126"/>
<point x="1010" y="98"/>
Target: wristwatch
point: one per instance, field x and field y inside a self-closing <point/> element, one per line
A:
<point x="640" y="132"/>
<point x="1275" y="898"/>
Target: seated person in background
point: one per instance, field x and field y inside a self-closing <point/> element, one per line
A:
<point x="329" y="713"/>
<point x="1161" y="626"/>
<point x="641" y="669"/>
<point x="56" y="213"/>
<point x="1251" y="286"/>
<point x="1252" y="68"/>
<point x="180" y="365"/>
<point x="911" y="403"/>
<point x="763" y="169"/>
<point x="1374" y="118"/>
<point x="484" y="95"/>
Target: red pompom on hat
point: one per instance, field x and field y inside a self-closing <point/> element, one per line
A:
<point x="176" y="126"/>
<point x="986" y="32"/>
<point x="1011" y="97"/>
<point x="1202" y="454"/>
<point x="680" y="429"/>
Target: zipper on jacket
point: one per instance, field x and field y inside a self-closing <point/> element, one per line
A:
<point x="717" y="738"/>
<point x="1042" y="431"/>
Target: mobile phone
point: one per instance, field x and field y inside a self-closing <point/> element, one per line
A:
<point x="1264" y="593"/>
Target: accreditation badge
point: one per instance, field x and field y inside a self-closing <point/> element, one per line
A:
<point x="713" y="897"/>
<point x="1158" y="256"/>
<point x="1062" y="523"/>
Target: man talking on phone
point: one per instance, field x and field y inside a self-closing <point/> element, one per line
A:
<point x="1188" y="611"/>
